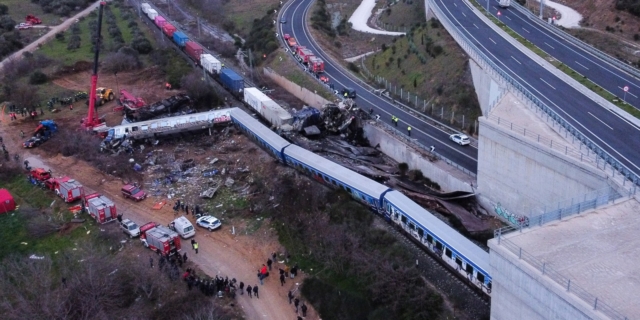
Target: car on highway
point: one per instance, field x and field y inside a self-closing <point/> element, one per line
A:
<point x="348" y="93"/>
<point x="130" y="228"/>
<point x="283" y="20"/>
<point x="286" y="36"/>
<point x="23" y="26"/>
<point x="459" y="138"/>
<point x="209" y="222"/>
<point x="324" y="79"/>
<point x="133" y="192"/>
<point x="33" y="142"/>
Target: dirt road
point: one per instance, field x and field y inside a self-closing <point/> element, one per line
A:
<point x="221" y="253"/>
<point x="49" y="35"/>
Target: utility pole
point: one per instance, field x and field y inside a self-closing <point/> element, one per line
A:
<point x="251" y="65"/>
<point x="199" y="28"/>
<point x="541" y="8"/>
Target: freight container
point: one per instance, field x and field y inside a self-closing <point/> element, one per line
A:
<point x="152" y="14"/>
<point x="193" y="50"/>
<point x="180" y="38"/>
<point x="210" y="63"/>
<point x="100" y="208"/>
<point x="266" y="107"/>
<point x="145" y="7"/>
<point x="70" y="190"/>
<point x="168" y="29"/>
<point x="160" y="21"/>
<point x="231" y="81"/>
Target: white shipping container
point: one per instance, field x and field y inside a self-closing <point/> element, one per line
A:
<point x="210" y="63"/>
<point x="254" y="98"/>
<point x="275" y="114"/>
<point x="152" y="14"/>
<point x="145" y="7"/>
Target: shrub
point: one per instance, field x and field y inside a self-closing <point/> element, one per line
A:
<point x="353" y="67"/>
<point x="60" y="36"/>
<point x="38" y="77"/>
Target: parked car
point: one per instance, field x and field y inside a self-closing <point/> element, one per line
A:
<point x="133" y="192"/>
<point x="286" y="36"/>
<point x="130" y="228"/>
<point x="33" y="142"/>
<point x="209" y="222"/>
<point x="23" y="26"/>
<point x="461" y="139"/>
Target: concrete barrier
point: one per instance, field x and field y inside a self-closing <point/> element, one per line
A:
<point x="301" y="93"/>
<point x="449" y="178"/>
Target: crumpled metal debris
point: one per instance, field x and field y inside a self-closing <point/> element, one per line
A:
<point x="229" y="182"/>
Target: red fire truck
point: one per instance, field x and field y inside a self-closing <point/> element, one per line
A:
<point x="160" y="239"/>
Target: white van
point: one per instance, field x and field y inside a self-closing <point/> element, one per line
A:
<point x="183" y="227"/>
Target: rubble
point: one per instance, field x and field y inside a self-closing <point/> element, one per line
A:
<point x="229" y="182"/>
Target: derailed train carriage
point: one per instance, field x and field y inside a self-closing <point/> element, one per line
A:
<point x="462" y="256"/>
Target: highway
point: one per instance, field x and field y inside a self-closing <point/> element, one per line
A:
<point x="465" y="156"/>
<point x="600" y="72"/>
<point x="611" y="132"/>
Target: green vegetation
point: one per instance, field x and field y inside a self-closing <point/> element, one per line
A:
<point x="262" y="40"/>
<point x="28" y="229"/>
<point x="284" y="66"/>
<point x="9" y="37"/>
<point x="359" y="271"/>
<point x="632" y="6"/>
<point x="321" y="19"/>
<point x="420" y="64"/>
<point x="564" y="68"/>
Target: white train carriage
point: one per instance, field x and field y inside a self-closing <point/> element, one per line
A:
<point x="332" y="174"/>
<point x="170" y="125"/>
<point x="461" y="254"/>
<point x="273" y="143"/>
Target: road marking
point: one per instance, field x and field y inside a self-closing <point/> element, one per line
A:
<point x="628" y="92"/>
<point x="476" y="26"/>
<point x="507" y="17"/>
<point x="455" y="4"/>
<point x="623" y="119"/>
<point x="492" y="41"/>
<point x="527" y="31"/>
<point x="549" y="45"/>
<point x="599" y="120"/>
<point x="547" y="83"/>
<point x="463" y="14"/>
<point x="580" y="64"/>
<point x="515" y="60"/>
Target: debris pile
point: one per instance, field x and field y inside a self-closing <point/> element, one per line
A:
<point x="173" y="106"/>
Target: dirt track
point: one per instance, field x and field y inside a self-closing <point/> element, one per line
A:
<point x="222" y="253"/>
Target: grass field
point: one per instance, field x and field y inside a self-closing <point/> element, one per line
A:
<point x="242" y="13"/>
<point x="19" y="9"/>
<point x="15" y="237"/>
<point x="286" y="67"/>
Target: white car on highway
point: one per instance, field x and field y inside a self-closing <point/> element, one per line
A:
<point x="209" y="222"/>
<point x="459" y="138"/>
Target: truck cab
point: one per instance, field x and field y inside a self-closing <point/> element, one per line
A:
<point x="133" y="192"/>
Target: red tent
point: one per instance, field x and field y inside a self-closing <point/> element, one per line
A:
<point x="6" y="201"/>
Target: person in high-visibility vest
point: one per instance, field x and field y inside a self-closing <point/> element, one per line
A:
<point x="393" y="118"/>
<point x="409" y="130"/>
<point x="396" y="121"/>
<point x="345" y="95"/>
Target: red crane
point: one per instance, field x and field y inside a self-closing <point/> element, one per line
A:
<point x="92" y="119"/>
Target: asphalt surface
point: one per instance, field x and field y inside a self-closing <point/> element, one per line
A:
<point x="603" y="126"/>
<point x="465" y="156"/>
<point x="600" y="72"/>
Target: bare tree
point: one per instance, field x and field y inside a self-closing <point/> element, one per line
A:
<point x="25" y="96"/>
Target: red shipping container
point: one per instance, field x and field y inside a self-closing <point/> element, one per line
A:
<point x="194" y="50"/>
<point x="168" y="29"/>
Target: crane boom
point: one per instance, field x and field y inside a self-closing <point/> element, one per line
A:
<point x="92" y="119"/>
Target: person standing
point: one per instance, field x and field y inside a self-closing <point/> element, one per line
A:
<point x="249" y="290"/>
<point x="409" y="131"/>
<point x="186" y="209"/>
<point x="193" y="241"/>
<point x="304" y="309"/>
<point x="273" y="256"/>
<point x="184" y="257"/>
<point x="241" y="288"/>
<point x="290" y="296"/>
<point x="195" y="247"/>
<point x="296" y="302"/>
<point x="282" y="280"/>
<point x="151" y="262"/>
<point x="255" y="291"/>
<point x="269" y="262"/>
